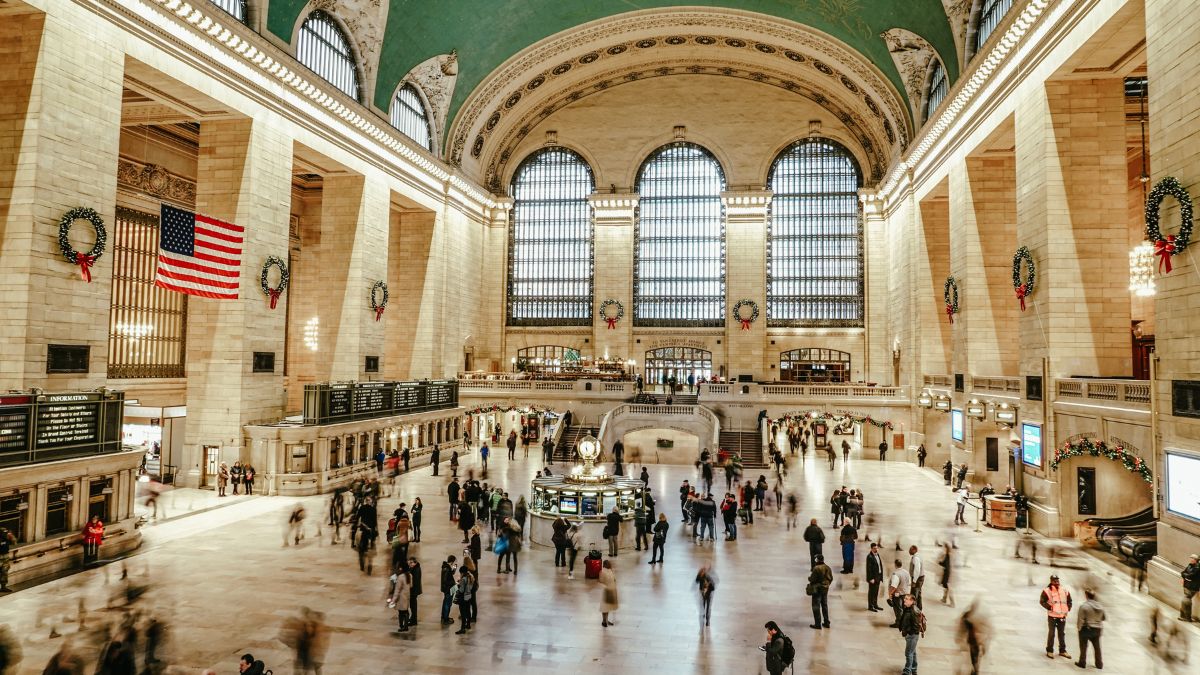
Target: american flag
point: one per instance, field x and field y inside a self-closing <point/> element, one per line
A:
<point x="198" y="255"/>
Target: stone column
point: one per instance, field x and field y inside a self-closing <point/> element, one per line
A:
<point x="613" y="217"/>
<point x="244" y="176"/>
<point x="352" y="256"/>
<point x="877" y="346"/>
<point x="493" y="313"/>
<point x="58" y="150"/>
<point x="414" y="318"/>
<point x="746" y="279"/>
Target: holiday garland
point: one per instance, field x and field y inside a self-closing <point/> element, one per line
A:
<point x="1172" y="244"/>
<point x="274" y="293"/>
<point x="819" y="416"/>
<point x="1023" y="286"/>
<point x="737" y="312"/>
<point x="951" y="300"/>
<point x="379" y="304"/>
<point x="609" y="319"/>
<point x="84" y="260"/>
<point x="479" y="410"/>
<point x="1088" y="446"/>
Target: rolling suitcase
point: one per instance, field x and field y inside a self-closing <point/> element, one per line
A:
<point x="591" y="564"/>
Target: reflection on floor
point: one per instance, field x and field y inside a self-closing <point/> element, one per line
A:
<point x="226" y="584"/>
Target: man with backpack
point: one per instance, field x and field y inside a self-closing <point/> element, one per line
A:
<point x="912" y="627"/>
<point x="779" y="649"/>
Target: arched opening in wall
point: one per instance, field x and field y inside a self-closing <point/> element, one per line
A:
<point x="660" y="446"/>
<point x="814" y="365"/>
<point x="666" y="363"/>
<point x="546" y="359"/>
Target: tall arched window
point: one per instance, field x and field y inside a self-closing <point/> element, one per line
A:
<point x="991" y="12"/>
<point x="550" y="241"/>
<point x="235" y="8"/>
<point x="409" y="116"/>
<point x="814" y="237"/>
<point x="939" y="86"/>
<point x="679" y="249"/>
<point x="325" y="49"/>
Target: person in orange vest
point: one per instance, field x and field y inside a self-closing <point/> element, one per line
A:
<point x="1056" y="600"/>
<point x="93" y="536"/>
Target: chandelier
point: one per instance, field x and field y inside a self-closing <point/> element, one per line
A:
<point x="1141" y="270"/>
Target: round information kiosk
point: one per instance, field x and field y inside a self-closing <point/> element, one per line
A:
<point x="585" y="497"/>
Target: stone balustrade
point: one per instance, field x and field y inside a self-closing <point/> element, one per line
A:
<point x="1133" y="394"/>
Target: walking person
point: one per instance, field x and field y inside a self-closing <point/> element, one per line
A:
<point x="707" y="584"/>
<point x="845" y="451"/>
<point x="609" y="602"/>
<point x="947" y="565"/>
<point x="659" y="539"/>
<point x="910" y="627"/>
<point x="815" y="537"/>
<point x="1191" y="585"/>
<point x="1090" y="622"/>
<point x="898" y="586"/>
<point x="819" y="581"/>
<point x="560" y="526"/>
<point x="574" y="541"/>
<point x="484" y="451"/>
<point x="779" y="649"/>
<point x="1056" y="600"/>
<point x="874" y="578"/>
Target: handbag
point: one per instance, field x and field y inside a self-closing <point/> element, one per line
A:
<point x="501" y="546"/>
<point x="808" y="590"/>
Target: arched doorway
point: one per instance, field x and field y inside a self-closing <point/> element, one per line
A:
<point x="814" y="365"/>
<point x="678" y="362"/>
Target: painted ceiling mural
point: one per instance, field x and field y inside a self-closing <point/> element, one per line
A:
<point x="486" y="33"/>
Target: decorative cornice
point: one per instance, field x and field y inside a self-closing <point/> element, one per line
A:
<point x="613" y="209"/>
<point x="155" y="181"/>
<point x="747" y="204"/>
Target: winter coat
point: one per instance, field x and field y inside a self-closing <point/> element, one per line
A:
<point x="609" y="602"/>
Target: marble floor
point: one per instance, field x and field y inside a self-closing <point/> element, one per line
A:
<point x="225" y="584"/>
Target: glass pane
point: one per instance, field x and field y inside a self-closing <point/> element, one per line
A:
<point x="323" y="47"/>
<point x="409" y="116"/>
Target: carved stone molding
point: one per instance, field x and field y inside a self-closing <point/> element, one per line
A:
<point x="622" y="43"/>
<point x="365" y="19"/>
<point x="155" y="181"/>
<point x="436" y="77"/>
<point x="912" y="54"/>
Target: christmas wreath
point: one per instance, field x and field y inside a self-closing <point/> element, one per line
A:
<point x="1023" y="286"/>
<point x="1088" y="446"/>
<point x="608" y="318"/>
<point x="737" y="313"/>
<point x="951" y="298"/>
<point x="379" y="304"/>
<point x="84" y="260"/>
<point x="1172" y="244"/>
<point x="274" y="293"/>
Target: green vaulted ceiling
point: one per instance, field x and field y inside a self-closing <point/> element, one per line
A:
<point x="487" y="32"/>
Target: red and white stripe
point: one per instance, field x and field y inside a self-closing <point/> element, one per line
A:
<point x="215" y="268"/>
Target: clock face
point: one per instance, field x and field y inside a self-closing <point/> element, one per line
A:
<point x="589" y="449"/>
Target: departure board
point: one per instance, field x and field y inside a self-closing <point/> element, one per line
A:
<point x="15" y="415"/>
<point x="342" y="402"/>
<point x="44" y="427"/>
<point x="67" y="424"/>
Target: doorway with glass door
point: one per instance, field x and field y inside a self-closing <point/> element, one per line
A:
<point x="677" y="362"/>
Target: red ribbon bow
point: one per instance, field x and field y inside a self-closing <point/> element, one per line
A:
<point x="745" y="324"/>
<point x="950" y="312"/>
<point x="612" y="323"/>
<point x="85" y="261"/>
<point x="273" y="293"/>
<point x="1022" y="291"/>
<point x="379" y="312"/>
<point x="1164" y="249"/>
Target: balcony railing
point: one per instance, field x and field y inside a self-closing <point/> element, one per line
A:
<point x="938" y="381"/>
<point x="1000" y="385"/>
<point x="802" y="391"/>
<point x="1134" y="393"/>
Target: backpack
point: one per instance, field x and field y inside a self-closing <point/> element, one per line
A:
<point x="921" y="622"/>
<point x="788" y="654"/>
<point x="391" y="529"/>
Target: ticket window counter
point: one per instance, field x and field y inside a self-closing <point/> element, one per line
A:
<point x="335" y="453"/>
<point x="100" y="493"/>
<point x="58" y="503"/>
<point x="299" y="458"/>
<point x="13" y="512"/>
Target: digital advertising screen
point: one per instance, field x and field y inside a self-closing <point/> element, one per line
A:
<point x="1183" y="485"/>
<point x="568" y="504"/>
<point x="1031" y="444"/>
<point x="957" y="422"/>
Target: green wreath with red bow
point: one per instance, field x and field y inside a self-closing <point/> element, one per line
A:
<point x="950" y="294"/>
<point x="1172" y="244"/>
<point x="1023" y="286"/>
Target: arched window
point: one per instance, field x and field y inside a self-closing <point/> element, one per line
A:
<point x="325" y="49"/>
<point x="550" y="241"/>
<point x="235" y="8"/>
<point x="939" y="86"/>
<point x="679" y="249"/>
<point x="409" y="116"/>
<point x="991" y="12"/>
<point x="814" y="237"/>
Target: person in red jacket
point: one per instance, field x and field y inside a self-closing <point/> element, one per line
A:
<point x="93" y="536"/>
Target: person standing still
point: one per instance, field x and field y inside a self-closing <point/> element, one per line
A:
<point x="1056" y="600"/>
<point x="916" y="572"/>
<point x="574" y="541"/>
<point x="922" y="453"/>
<point x="898" y="586"/>
<point x="609" y="602"/>
<point x="222" y="479"/>
<point x="964" y="494"/>
<point x="819" y="581"/>
<point x="1090" y="621"/>
<point x="511" y="444"/>
<point x="560" y="526"/>
<point x="447" y="588"/>
<point x="435" y="458"/>
<point x="659" y="539"/>
<point x="874" y="578"/>
<point x="235" y="476"/>
<point x="910" y="628"/>
<point x="93" y="536"/>
<point x="883" y="448"/>
<point x="815" y="538"/>
<point x="7" y="541"/>
<point x="1191" y="585"/>
<point x="612" y="530"/>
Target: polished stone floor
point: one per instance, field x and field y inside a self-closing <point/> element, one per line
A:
<point x="225" y="584"/>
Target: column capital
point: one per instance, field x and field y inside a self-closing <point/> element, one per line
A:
<point x="613" y="208"/>
<point x="746" y="204"/>
<point x="872" y="204"/>
<point x="499" y="214"/>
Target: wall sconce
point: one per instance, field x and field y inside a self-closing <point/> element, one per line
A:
<point x="942" y="403"/>
<point x="976" y="409"/>
<point x="1141" y="270"/>
<point x="925" y="400"/>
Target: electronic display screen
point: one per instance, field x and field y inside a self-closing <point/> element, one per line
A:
<point x="590" y="505"/>
<point x="1031" y="444"/>
<point x="957" y="424"/>
<point x="1183" y="485"/>
<point x="568" y="504"/>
